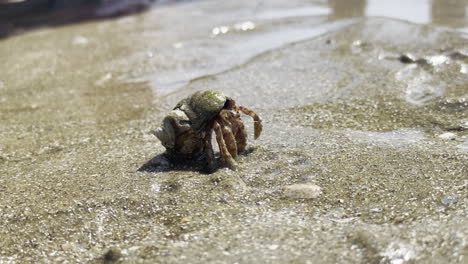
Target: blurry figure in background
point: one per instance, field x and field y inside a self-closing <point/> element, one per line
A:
<point x="17" y="16"/>
<point x="347" y="8"/>
<point x="452" y="13"/>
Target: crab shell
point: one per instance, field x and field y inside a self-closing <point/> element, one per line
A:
<point x="191" y="116"/>
<point x="201" y="107"/>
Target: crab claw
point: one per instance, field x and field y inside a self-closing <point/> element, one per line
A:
<point x="258" y="127"/>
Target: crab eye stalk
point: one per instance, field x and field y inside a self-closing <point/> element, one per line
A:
<point x="230" y="104"/>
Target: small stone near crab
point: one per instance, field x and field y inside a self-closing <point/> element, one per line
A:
<point x="187" y="130"/>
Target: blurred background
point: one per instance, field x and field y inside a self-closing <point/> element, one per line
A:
<point x="19" y="15"/>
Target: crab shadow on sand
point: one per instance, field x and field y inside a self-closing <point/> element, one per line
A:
<point x="164" y="162"/>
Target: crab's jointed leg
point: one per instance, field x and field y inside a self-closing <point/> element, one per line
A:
<point x="209" y="151"/>
<point x="240" y="134"/>
<point x="228" y="132"/>
<point x="257" y="121"/>
<point x="237" y="127"/>
<point x="225" y="155"/>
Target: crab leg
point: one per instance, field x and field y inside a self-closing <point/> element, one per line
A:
<point x="241" y="135"/>
<point x="226" y="156"/>
<point x="209" y="151"/>
<point x="257" y="121"/>
<point x="238" y="129"/>
<point x="228" y="134"/>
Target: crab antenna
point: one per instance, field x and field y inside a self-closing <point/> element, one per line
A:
<point x="257" y="121"/>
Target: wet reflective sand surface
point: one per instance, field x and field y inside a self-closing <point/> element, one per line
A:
<point x="366" y="99"/>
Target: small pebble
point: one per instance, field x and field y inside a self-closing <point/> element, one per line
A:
<point x="447" y="135"/>
<point x="112" y="255"/>
<point x="407" y="58"/>
<point x="67" y="247"/>
<point x="80" y="40"/>
<point x="273" y="247"/>
<point x="449" y="201"/>
<point x="185" y="220"/>
<point x="302" y="191"/>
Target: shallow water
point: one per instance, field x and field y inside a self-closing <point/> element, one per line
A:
<point x="371" y="109"/>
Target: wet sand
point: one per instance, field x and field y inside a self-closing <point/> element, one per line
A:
<point x="371" y="109"/>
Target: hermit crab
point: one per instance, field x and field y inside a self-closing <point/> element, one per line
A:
<point x="187" y="130"/>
